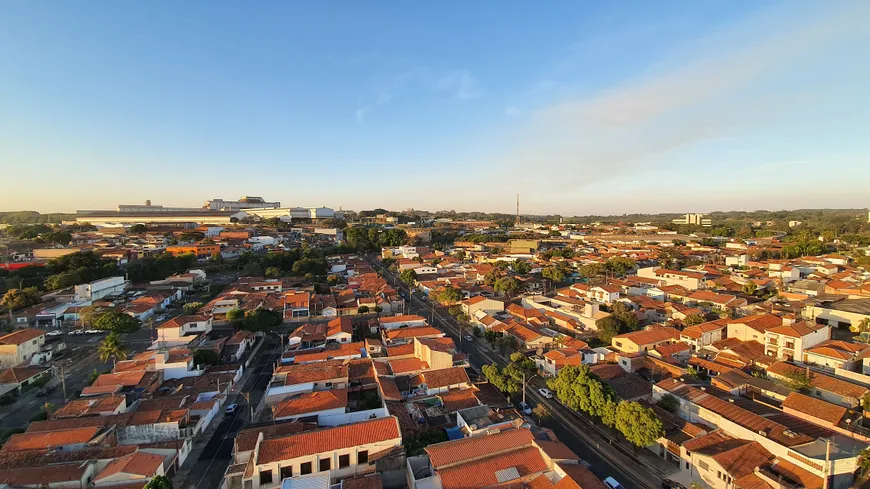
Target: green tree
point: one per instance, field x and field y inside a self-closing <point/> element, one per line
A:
<point x="626" y="317"/>
<point x="500" y="380"/>
<point x="92" y="377"/>
<point x="669" y="402"/>
<point x="492" y="277"/>
<point x="694" y="319"/>
<point x="591" y="270"/>
<point x="159" y="482"/>
<point x="333" y="279"/>
<point x="205" y="357"/>
<point x="138" y="229"/>
<point x="553" y="273"/>
<point x="541" y="413"/>
<point x="798" y="380"/>
<point x="639" y="424"/>
<point x="581" y="390"/>
<point x="507" y="286"/>
<point x="192" y="307"/>
<point x="750" y="287"/>
<point x="261" y="320"/>
<point x="619" y="265"/>
<point x="607" y="328"/>
<point x="490" y="336"/>
<point x="273" y="272"/>
<point x="116" y="322"/>
<point x="864" y="461"/>
<point x="408" y="276"/>
<point x="234" y="314"/>
<point x="362" y="310"/>
<point x="112" y="347"/>
<point x="15" y="299"/>
<point x="449" y="295"/>
<point x="521" y="267"/>
<point x="460" y="255"/>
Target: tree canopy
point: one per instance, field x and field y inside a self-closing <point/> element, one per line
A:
<point x="507" y="286"/>
<point x="261" y="320"/>
<point x="116" y="322"/>
<point x="607" y="328"/>
<point x="408" y="276"/>
<point x="521" y="267"/>
<point x="15" y="299"/>
<point x="639" y="424"/>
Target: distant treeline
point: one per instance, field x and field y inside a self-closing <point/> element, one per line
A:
<point x="33" y="217"/>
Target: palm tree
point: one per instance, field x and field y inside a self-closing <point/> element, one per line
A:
<point x="861" y="327"/>
<point x="111" y="347"/>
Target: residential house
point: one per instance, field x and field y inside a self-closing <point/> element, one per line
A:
<point x="689" y="280"/>
<point x="20" y="346"/>
<point x="480" y="303"/>
<point x="183" y="329"/>
<point x="837" y="354"/>
<point x="828" y="388"/>
<point x="789" y="341"/>
<point x="645" y="340"/>
<point x="704" y="334"/>
<point x="393" y="322"/>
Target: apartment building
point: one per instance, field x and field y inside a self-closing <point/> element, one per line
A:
<point x="100" y="288"/>
<point x="688" y="280"/>
<point x="790" y="341"/>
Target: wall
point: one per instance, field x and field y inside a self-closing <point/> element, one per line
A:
<point x="149" y="433"/>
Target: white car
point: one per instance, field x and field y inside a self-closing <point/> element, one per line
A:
<point x="94" y="331"/>
<point x="612" y="483"/>
<point x="76" y="332"/>
<point x="55" y="332"/>
<point x="545" y="392"/>
<point x="231" y="409"/>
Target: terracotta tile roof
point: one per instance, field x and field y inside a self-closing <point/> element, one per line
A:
<point x="389" y="390"/>
<point x="668" y="350"/>
<point x="312" y="402"/>
<point x="415" y="332"/>
<point x="339" y="325"/>
<point x="247" y="439"/>
<point x="82" y="407"/>
<point x="474" y="300"/>
<point x="445" y="377"/>
<point x="540" y="481"/>
<point x="17" y="375"/>
<point x="817" y="408"/>
<point x="401" y="319"/>
<point x="650" y="336"/>
<point x="843" y="350"/>
<point x="407" y="365"/>
<point x="715" y="367"/>
<point x="400" y="350"/>
<point x="759" y="322"/>
<point x="796" y="473"/>
<point x="821" y="381"/>
<point x="48" y="439"/>
<point x="42" y="458"/>
<point x="332" y="351"/>
<point x="456" y="399"/>
<point x="697" y="330"/>
<point x="482" y="473"/>
<point x="452" y="452"/>
<point x="313" y="372"/>
<point x="751" y="481"/>
<point x="579" y="477"/>
<point x="180" y="321"/>
<point x="795" y="330"/>
<point x="329" y="439"/>
<point x="556" y="450"/>
<point x="139" y="463"/>
<point x="371" y="481"/>
<point x="45" y="476"/>
<point x="607" y="371"/>
<point x="21" y="336"/>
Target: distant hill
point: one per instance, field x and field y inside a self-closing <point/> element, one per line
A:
<point x="33" y="217"/>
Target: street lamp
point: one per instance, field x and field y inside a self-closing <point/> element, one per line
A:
<point x="250" y="406"/>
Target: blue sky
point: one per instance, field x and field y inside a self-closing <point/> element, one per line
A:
<point x="582" y="107"/>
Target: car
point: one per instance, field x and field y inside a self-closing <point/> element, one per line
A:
<point x="612" y="483"/>
<point x="524" y="408"/>
<point x="468" y="338"/>
<point x="76" y="332"/>
<point x="231" y="409"/>
<point x="42" y="392"/>
<point x="54" y="332"/>
<point x="545" y="392"/>
<point x="94" y="331"/>
<point x="161" y="318"/>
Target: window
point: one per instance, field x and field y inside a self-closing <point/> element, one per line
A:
<point x="325" y="464"/>
<point x="305" y="468"/>
<point x="286" y="472"/>
<point x="362" y="457"/>
<point x="703" y="465"/>
<point x="687" y="465"/>
<point x="619" y="344"/>
<point x="328" y="384"/>
<point x="265" y="477"/>
<point x="343" y="461"/>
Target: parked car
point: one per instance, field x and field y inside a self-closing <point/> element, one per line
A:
<point x="545" y="392"/>
<point x="468" y="338"/>
<point x="94" y="331"/>
<point x="231" y="409"/>
<point x="524" y="408"/>
<point x="671" y="484"/>
<point x="612" y="483"/>
<point x="54" y="332"/>
<point x="160" y="318"/>
<point x="76" y="332"/>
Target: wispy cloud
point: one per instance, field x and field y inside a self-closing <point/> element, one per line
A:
<point x="621" y="130"/>
<point x="462" y="85"/>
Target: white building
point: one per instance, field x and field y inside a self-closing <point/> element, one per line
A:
<point x="100" y="288"/>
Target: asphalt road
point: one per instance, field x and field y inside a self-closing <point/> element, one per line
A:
<point x="209" y="468"/>
<point x="569" y="426"/>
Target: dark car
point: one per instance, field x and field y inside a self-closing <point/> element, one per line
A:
<point x="670" y="484"/>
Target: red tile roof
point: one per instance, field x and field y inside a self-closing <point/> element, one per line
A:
<point x="816" y="408"/>
<point x="48" y="439"/>
<point x="139" y="463"/>
<point x="21" y="336"/>
<point x="312" y="402"/>
<point x="329" y="439"/>
<point x="452" y="452"/>
<point x="445" y="377"/>
<point x="482" y="473"/>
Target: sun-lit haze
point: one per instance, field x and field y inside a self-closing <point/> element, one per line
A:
<point x="581" y="108"/>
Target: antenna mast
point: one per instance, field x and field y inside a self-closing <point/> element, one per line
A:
<point x="518" y="208"/>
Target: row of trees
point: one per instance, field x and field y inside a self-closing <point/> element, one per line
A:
<point x="365" y="239"/>
<point x="581" y="390"/>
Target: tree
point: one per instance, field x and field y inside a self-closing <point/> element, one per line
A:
<point x="554" y="273"/>
<point x="626" y="317"/>
<point x="639" y="424"/>
<point x="492" y="276"/>
<point x="205" y="357"/>
<point x="541" y="413"/>
<point x="234" y="314"/>
<point x="507" y="286"/>
<point x="159" y="482"/>
<point x="273" y="272"/>
<point x="408" y="276"/>
<point x="607" y="328"/>
<point x="92" y="377"/>
<point x="669" y="402"/>
<point x="192" y="307"/>
<point x="500" y="381"/>
<point x="15" y="299"/>
<point x="694" y="319"/>
<point x="333" y="279"/>
<point x="138" y="229"/>
<point x="521" y="267"/>
<point x="490" y="336"/>
<point x="581" y="390"/>
<point x="362" y="310"/>
<point x="117" y="323"/>
<point x="261" y="320"/>
<point x="864" y="461"/>
<point x="448" y="295"/>
<point x="252" y="270"/>
<point x="798" y="380"/>
<point x="592" y="270"/>
<point x="460" y="255"/>
<point x="861" y="327"/>
<point x="750" y="287"/>
<point x="619" y="265"/>
<point x="111" y="347"/>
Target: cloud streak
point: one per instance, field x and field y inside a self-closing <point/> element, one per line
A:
<point x="622" y="130"/>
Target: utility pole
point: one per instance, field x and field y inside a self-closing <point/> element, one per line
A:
<point x="518" y="208"/>
<point x="63" y="381"/>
